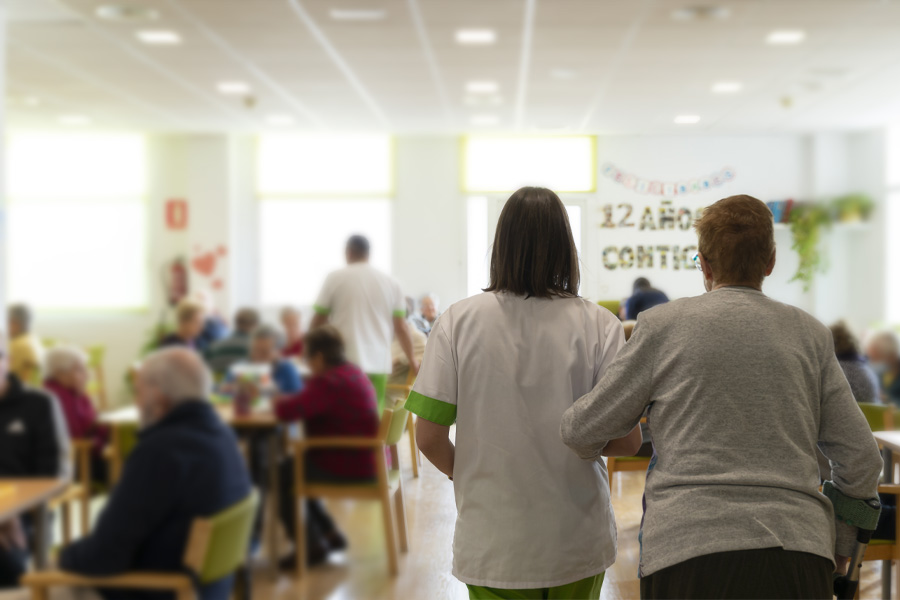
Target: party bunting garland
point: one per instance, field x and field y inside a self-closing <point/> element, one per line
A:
<point x="662" y="188"/>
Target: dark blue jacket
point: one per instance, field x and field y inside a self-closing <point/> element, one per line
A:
<point x="643" y="300"/>
<point x="186" y="466"/>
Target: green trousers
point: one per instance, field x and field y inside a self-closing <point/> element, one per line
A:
<point x="586" y="589"/>
<point x="379" y="380"/>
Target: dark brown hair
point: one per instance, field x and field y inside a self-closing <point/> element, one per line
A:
<point x="737" y="238"/>
<point x="845" y="343"/>
<point x="327" y="341"/>
<point x="534" y="252"/>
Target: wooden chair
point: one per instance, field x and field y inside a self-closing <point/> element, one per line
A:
<point x="387" y="488"/>
<point x="887" y="550"/>
<point x="626" y="463"/>
<point x="402" y="393"/>
<point x="217" y="547"/>
<point x="97" y="382"/>
<point x="78" y="491"/>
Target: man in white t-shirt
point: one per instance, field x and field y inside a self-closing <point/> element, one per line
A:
<point x="368" y="308"/>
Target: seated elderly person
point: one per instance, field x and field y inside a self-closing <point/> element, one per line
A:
<point x="26" y="352"/>
<point x="236" y="347"/>
<point x="185" y="466"/>
<point x="292" y="322"/>
<point x="67" y="379"/>
<point x="399" y="361"/>
<point x="883" y="351"/>
<point x="264" y="350"/>
<point x="33" y="443"/>
<point x="338" y="400"/>
<point x="741" y="390"/>
<point x="190" y="317"/>
<point x="428" y="313"/>
<point x="862" y="379"/>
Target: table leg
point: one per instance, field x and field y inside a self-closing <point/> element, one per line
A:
<point x="41" y="537"/>
<point x="274" y="552"/>
<point x="886" y="565"/>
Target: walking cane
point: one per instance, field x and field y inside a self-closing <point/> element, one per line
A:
<point x="862" y="514"/>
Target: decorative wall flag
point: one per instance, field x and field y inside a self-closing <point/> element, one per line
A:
<point x="663" y="188"/>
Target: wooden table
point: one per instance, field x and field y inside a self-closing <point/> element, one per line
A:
<point x="262" y="423"/>
<point x="890" y="443"/>
<point x="18" y="496"/>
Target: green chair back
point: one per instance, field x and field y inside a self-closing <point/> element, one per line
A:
<point x="229" y="539"/>
<point x="96" y="354"/>
<point x="398" y="422"/>
<point x="876" y="415"/>
<point x="611" y="305"/>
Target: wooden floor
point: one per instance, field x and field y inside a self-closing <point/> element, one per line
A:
<point x="361" y="574"/>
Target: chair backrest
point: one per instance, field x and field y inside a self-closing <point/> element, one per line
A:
<point x="124" y="440"/>
<point x="397" y="424"/>
<point x="611" y="305"/>
<point x="218" y="545"/>
<point x="879" y="416"/>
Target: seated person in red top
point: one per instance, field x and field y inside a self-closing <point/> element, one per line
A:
<point x="67" y="378"/>
<point x="292" y="322"/>
<point x="337" y="401"/>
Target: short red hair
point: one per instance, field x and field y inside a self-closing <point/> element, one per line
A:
<point x="737" y="238"/>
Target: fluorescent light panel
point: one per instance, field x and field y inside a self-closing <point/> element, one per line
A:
<point x="233" y="87"/>
<point x="159" y="37"/>
<point x="484" y="120"/>
<point x="687" y="119"/>
<point x="280" y="120"/>
<point x="784" y="37"/>
<point x="476" y="37"/>
<point x="354" y="14"/>
<point x="726" y="87"/>
<point x="482" y="87"/>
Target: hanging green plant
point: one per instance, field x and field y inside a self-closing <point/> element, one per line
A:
<point x="807" y="223"/>
<point x="853" y="208"/>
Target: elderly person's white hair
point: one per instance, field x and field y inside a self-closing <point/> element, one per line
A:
<point x="885" y="341"/>
<point x="63" y="359"/>
<point x="178" y="374"/>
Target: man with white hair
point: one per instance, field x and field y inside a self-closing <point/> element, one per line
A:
<point x="883" y="350"/>
<point x="428" y="313"/>
<point x="185" y="466"/>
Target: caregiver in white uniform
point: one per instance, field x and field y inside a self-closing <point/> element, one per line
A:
<point x="504" y="366"/>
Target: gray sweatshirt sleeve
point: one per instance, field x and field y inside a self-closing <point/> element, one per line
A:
<point x="846" y="440"/>
<point x="615" y="405"/>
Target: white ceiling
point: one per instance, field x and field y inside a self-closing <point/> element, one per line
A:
<point x="631" y="67"/>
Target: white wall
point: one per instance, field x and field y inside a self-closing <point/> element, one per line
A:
<point x="215" y="174"/>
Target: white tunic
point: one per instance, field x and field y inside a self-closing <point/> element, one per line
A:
<point x="362" y="302"/>
<point x="505" y="369"/>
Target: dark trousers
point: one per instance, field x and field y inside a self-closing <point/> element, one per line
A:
<point x="769" y="573"/>
<point x="319" y="524"/>
<point x="13" y="564"/>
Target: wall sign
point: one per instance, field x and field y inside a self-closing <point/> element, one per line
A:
<point x="176" y="214"/>
<point x="667" y="188"/>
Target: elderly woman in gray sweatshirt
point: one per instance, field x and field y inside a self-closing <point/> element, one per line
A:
<point x="741" y="391"/>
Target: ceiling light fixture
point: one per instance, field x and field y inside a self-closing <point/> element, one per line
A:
<point x="482" y="87"/>
<point x="158" y="37"/>
<point x="563" y="74"/>
<point x="280" y="120"/>
<point x="352" y="14"/>
<point x="122" y="12"/>
<point x="233" y="88"/>
<point x="484" y="120"/>
<point x="476" y="37"/>
<point x="726" y="87"/>
<point x="786" y="37"/>
<point x="74" y="120"/>
<point x="700" y="13"/>
<point x="687" y="119"/>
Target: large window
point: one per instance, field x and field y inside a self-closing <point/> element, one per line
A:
<point x="504" y="164"/>
<point x="77" y="221"/>
<point x="315" y="192"/>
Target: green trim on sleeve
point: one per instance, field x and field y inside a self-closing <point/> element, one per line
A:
<point x="430" y="409"/>
<point x="400" y="313"/>
<point x="321" y="310"/>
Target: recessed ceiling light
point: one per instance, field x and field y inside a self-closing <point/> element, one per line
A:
<point x="726" y="87"/>
<point x="687" y="119"/>
<point x="362" y="14"/>
<point x="476" y="37"/>
<point x="233" y="87"/>
<point x="159" y="37"/>
<point x="123" y="12"/>
<point x="280" y="120"/>
<point x="701" y="13"/>
<point x="484" y="120"/>
<point x="482" y="87"/>
<point x="563" y="74"/>
<point x="783" y="37"/>
<point x="74" y="120"/>
<point x="483" y="100"/>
